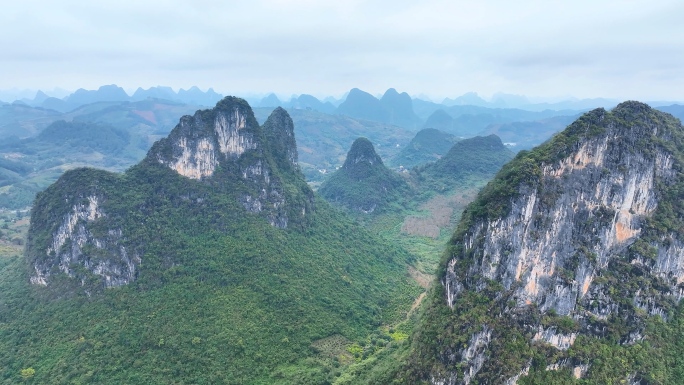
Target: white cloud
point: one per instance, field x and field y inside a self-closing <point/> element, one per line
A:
<point x="623" y="49"/>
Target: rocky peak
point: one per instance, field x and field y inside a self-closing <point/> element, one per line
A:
<point x="197" y="145"/>
<point x="361" y="154"/>
<point x="80" y="224"/>
<point x="228" y="136"/>
<point x="363" y="183"/>
<point x="571" y="231"/>
<point x="279" y="132"/>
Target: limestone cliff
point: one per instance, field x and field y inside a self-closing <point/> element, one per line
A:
<point x="229" y="136"/>
<point x="81" y="238"/>
<point x="579" y="239"/>
<point x="82" y="226"/>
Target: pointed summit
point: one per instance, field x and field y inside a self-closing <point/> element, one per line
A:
<point x="279" y="132"/>
<point x="217" y="151"/>
<point x="400" y="109"/>
<point x="199" y="143"/>
<point x="362" y="156"/>
<point x="362" y="105"/>
<point x="363" y="183"/>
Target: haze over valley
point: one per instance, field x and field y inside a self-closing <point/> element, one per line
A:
<point x="299" y="192"/>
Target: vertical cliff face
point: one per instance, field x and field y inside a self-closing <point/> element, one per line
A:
<point x="74" y="238"/>
<point x="74" y="244"/>
<point x="229" y="137"/>
<point x="81" y="226"/>
<point x="199" y="143"/>
<point x="578" y="238"/>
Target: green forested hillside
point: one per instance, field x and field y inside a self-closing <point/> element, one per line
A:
<point x="625" y="327"/>
<point x="30" y="165"/>
<point x="364" y="183"/>
<point x="219" y="295"/>
<point x="428" y="145"/>
<point x="110" y="135"/>
<point x="473" y="156"/>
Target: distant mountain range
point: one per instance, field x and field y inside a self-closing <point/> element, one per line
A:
<point x="114" y="93"/>
<point x="503" y="100"/>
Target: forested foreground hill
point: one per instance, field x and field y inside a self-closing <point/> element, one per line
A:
<point x="209" y="262"/>
<point x="566" y="269"/>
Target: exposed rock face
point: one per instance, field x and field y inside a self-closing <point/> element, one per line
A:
<point x="230" y="136"/>
<point x="569" y="222"/>
<point x="74" y="244"/>
<point x="75" y="234"/>
<point x="198" y="143"/>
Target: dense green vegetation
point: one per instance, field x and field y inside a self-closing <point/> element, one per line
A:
<point x="473" y="156"/>
<point x="109" y="135"/>
<point x="656" y="359"/>
<point x="428" y="145"/>
<point x="364" y="183"/>
<point x="238" y="308"/>
<point x="323" y="139"/>
<point x="221" y="296"/>
<point x="435" y="200"/>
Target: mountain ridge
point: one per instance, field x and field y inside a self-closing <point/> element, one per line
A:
<point x="210" y="260"/>
<point x="524" y="299"/>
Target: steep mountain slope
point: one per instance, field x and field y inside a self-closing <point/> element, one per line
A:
<point x="428" y="145"/>
<point x="324" y="140"/>
<point x="567" y="264"/>
<point x="211" y="261"/>
<point x="363" y="183"/>
<point x="362" y="105"/>
<point x="481" y="156"/>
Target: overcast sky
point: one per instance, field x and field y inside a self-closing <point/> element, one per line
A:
<point x="625" y="49"/>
